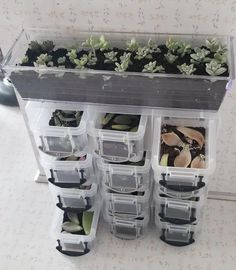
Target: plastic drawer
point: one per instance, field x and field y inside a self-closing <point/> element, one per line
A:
<point x="68" y="174"/>
<point x="126" y="205"/>
<point x="177" y="235"/>
<point x="180" y="194"/>
<point x="74" y="200"/>
<point x="56" y="140"/>
<point x="115" y="146"/>
<point x="179" y="211"/>
<point x="125" y="228"/>
<point x="126" y="178"/>
<point x="73" y="244"/>
<point x="185" y="179"/>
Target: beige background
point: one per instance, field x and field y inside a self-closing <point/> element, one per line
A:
<point x="172" y="16"/>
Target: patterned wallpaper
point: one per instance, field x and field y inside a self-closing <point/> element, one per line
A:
<point x="176" y="16"/>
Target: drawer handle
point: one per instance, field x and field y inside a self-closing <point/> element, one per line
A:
<point x="72" y="209"/>
<point x="73" y="253"/>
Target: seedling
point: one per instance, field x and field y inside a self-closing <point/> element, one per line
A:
<point x="132" y="45"/>
<point x="186" y="69"/>
<point x="200" y="56"/>
<point x="143" y="52"/>
<point x="44" y="60"/>
<point x="152" y="67"/>
<point x="214" y="68"/>
<point x="170" y="58"/>
<point x="110" y="57"/>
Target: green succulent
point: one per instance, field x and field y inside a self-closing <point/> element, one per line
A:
<point x="221" y="58"/>
<point x="80" y="63"/>
<point x="110" y="57"/>
<point x="172" y="45"/>
<point x="44" y="60"/>
<point x="186" y="69"/>
<point x="183" y="49"/>
<point x="61" y="60"/>
<point x="200" y="56"/>
<point x="35" y="46"/>
<point x="101" y="43"/>
<point x="126" y="58"/>
<point x="153" y="46"/>
<point x="214" y="68"/>
<point x="152" y="67"/>
<point x="72" y="54"/>
<point x="170" y="58"/>
<point x="215" y="46"/>
<point x="25" y="59"/>
<point x="143" y="52"/>
<point x="124" y="62"/>
<point x="47" y="46"/>
<point x="92" y="59"/>
<point x="132" y="45"/>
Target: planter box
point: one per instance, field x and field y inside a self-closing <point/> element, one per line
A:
<point x="110" y="87"/>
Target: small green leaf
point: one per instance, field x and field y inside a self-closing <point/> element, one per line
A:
<point x="71" y="227"/>
<point x="87" y="220"/>
<point x="123" y="119"/>
<point x="107" y="118"/>
<point x="120" y="127"/>
<point x="164" y="160"/>
<point x="73" y="217"/>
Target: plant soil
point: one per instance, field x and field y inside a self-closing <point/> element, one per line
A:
<point x="174" y="151"/>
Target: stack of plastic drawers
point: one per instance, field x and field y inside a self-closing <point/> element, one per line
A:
<point x="124" y="169"/>
<point x="68" y="166"/>
<point x="180" y="192"/>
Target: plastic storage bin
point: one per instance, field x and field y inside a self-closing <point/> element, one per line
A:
<point x="73" y="244"/>
<point x="126" y="178"/>
<point x="68" y="174"/>
<point x="177" y="235"/>
<point x="184" y="179"/>
<point x="112" y="145"/>
<point x="179" y="211"/>
<point x="126" y="205"/>
<point x="127" y="229"/>
<point x="74" y="200"/>
<point x="56" y="140"/>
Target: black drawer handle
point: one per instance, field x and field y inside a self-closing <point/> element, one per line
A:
<point x="73" y="253"/>
<point x="177" y="243"/>
<point x="181" y="188"/>
<point x="177" y="220"/>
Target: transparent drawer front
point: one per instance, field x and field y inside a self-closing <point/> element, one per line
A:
<point x="129" y="207"/>
<point x="117" y="149"/>
<point x="52" y="144"/>
<point x="74" y="203"/>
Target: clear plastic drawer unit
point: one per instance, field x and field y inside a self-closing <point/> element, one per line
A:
<point x="127" y="205"/>
<point x="59" y="129"/>
<point x="177" y="235"/>
<point x="74" y="199"/>
<point x="65" y="173"/>
<point x="128" y="229"/>
<point x="115" y="143"/>
<point x="126" y="177"/>
<point x="75" y="243"/>
<point x="177" y="134"/>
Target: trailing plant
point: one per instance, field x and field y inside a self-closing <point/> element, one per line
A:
<point x="200" y="56"/>
<point x="44" y="60"/>
<point x="132" y="45"/>
<point x="214" y="68"/>
<point x="170" y="58"/>
<point x="152" y="67"/>
<point x="143" y="52"/>
<point x="110" y="57"/>
<point x="186" y="69"/>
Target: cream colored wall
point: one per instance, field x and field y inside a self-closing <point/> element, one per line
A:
<point x="171" y="16"/>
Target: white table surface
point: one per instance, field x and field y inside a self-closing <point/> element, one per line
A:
<point x="26" y="213"/>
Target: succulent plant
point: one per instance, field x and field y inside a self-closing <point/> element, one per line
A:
<point x="152" y="67"/>
<point x="199" y="55"/>
<point x="61" y="60"/>
<point x="47" y="46"/>
<point x="215" y="46"/>
<point x="35" y="46"/>
<point x="124" y="62"/>
<point x="221" y="58"/>
<point x="214" y="68"/>
<point x="153" y="46"/>
<point x="186" y="69"/>
<point x="183" y="49"/>
<point x="43" y="60"/>
<point x="132" y="45"/>
<point x="72" y="54"/>
<point x="143" y="52"/>
<point x="172" y="45"/>
<point x="94" y="43"/>
<point x="80" y="63"/>
<point x="92" y="59"/>
<point x="110" y="57"/>
<point x="25" y="59"/>
<point x="170" y="58"/>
